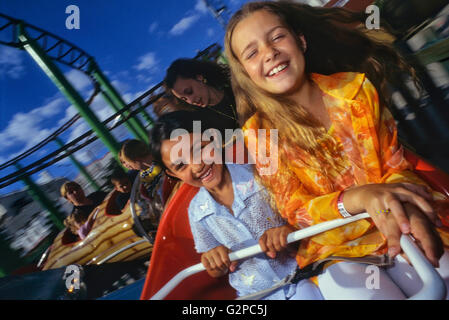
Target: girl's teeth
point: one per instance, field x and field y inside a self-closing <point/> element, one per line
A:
<point x="277" y="69"/>
<point x="206" y="174"/>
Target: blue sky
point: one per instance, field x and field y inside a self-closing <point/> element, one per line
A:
<point x="132" y="41"/>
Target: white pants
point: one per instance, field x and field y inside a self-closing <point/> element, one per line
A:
<point x="307" y="290"/>
<point x="356" y="281"/>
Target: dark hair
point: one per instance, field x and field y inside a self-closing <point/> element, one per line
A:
<point x="169" y="122"/>
<point x="118" y="175"/>
<point x="133" y="150"/>
<point x="169" y="103"/>
<point x="217" y="75"/>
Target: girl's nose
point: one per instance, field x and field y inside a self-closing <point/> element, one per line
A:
<point x="271" y="52"/>
<point x="197" y="167"/>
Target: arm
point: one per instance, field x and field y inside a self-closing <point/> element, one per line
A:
<point x="87" y="226"/>
<point x="398" y="190"/>
<point x="214" y="256"/>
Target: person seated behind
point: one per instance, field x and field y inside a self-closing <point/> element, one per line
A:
<point x="168" y="103"/>
<point x="122" y="183"/>
<point x="78" y="221"/>
<point x="204" y="87"/>
<point x="136" y="155"/>
<point x="73" y="193"/>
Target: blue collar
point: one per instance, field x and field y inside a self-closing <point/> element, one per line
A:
<point x="244" y="186"/>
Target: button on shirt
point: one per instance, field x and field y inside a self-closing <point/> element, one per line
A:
<point x="212" y="224"/>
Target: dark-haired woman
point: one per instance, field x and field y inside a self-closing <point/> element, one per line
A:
<point x="204" y="85"/>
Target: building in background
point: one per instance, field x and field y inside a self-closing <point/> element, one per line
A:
<point x="100" y="171"/>
<point x="26" y="230"/>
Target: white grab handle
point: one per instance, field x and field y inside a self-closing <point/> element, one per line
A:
<point x="434" y="287"/>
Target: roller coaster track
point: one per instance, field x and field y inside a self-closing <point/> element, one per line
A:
<point x="70" y="55"/>
<point x="55" y="47"/>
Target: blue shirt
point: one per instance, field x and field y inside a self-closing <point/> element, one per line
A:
<point x="213" y="224"/>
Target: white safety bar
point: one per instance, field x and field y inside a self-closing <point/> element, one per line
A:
<point x="434" y="287"/>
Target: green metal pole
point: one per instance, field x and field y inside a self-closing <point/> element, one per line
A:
<point x="116" y="101"/>
<point x="38" y="195"/>
<point x="147" y="117"/>
<point x="136" y="133"/>
<point x="53" y="72"/>
<point x="80" y="167"/>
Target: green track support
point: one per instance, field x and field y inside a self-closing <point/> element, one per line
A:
<point x="115" y="100"/>
<point x="80" y="167"/>
<point x="53" y="72"/>
<point x="38" y="195"/>
<point x="147" y="118"/>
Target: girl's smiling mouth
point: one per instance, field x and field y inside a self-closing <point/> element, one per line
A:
<point x="277" y="69"/>
<point x="207" y="175"/>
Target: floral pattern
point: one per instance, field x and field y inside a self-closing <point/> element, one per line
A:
<point x="366" y="135"/>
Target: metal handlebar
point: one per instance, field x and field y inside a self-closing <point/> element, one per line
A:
<point x="434" y="287"/>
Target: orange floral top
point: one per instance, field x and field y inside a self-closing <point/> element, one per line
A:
<point x="367" y="142"/>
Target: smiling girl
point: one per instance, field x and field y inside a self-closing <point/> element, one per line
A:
<point x="323" y="85"/>
<point x="203" y="85"/>
<point x="228" y="213"/>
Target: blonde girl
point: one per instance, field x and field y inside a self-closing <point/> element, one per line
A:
<point x="323" y="84"/>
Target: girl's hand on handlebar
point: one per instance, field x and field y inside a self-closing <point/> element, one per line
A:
<point x="217" y="263"/>
<point x="398" y="208"/>
<point x="275" y="239"/>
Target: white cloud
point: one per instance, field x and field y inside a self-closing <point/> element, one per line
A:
<point x="200" y="6"/>
<point x="147" y="62"/>
<point x="120" y="86"/>
<point x="50" y="109"/>
<point x="183" y="25"/>
<point x="78" y="79"/>
<point x="153" y="27"/>
<point x="78" y="129"/>
<point x="70" y="112"/>
<point x="11" y="62"/>
<point x="144" y="79"/>
<point x="25" y="128"/>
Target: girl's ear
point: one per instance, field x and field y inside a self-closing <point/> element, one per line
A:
<point x="171" y="174"/>
<point x="303" y="42"/>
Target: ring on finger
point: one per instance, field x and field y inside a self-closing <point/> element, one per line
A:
<point x="383" y="211"/>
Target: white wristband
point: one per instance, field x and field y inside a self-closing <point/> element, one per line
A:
<point x="341" y="208"/>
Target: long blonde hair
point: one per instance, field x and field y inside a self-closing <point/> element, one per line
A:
<point x="325" y="30"/>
